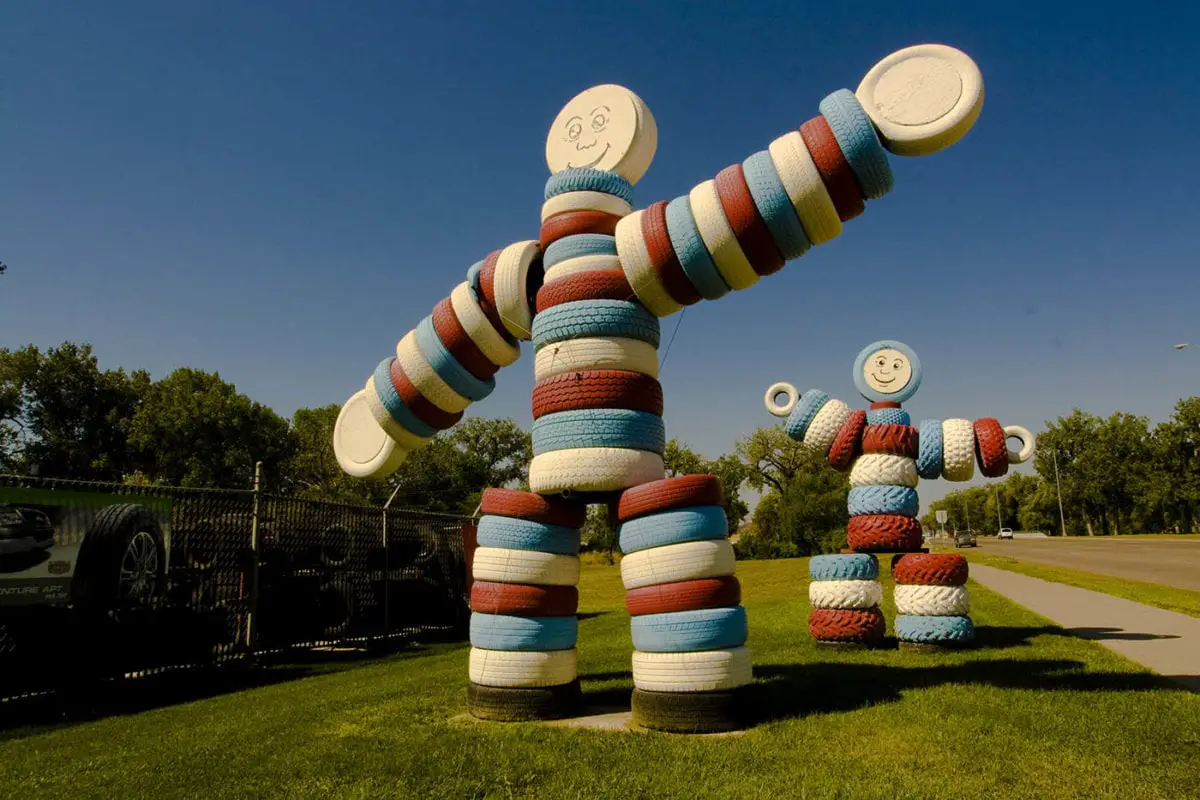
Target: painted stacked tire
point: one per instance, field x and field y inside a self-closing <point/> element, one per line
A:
<point x="932" y="603"/>
<point x="755" y="216"/>
<point x="688" y="626"/>
<point x="883" y="500"/>
<point x="597" y="403"/>
<point x="523" y="608"/>
<point x="845" y="593"/>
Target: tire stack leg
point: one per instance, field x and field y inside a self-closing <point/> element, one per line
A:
<point x="845" y="594"/>
<point x="689" y="629"/>
<point x="931" y="600"/>
<point x="524" y="603"/>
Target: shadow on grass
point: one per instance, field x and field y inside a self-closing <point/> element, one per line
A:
<point x="592" y="614"/>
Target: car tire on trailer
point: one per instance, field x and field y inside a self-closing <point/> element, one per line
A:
<point x="121" y="562"/>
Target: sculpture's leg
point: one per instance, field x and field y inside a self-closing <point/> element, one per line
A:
<point x="931" y="600"/>
<point x="845" y="594"/>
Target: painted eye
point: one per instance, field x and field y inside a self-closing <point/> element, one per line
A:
<point x="574" y="131"/>
<point x="897" y="364"/>
<point x="598" y="122"/>
<point x="881" y="362"/>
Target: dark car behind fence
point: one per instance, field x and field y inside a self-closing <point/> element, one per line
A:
<point x="141" y="578"/>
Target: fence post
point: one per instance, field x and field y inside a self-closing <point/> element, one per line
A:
<point x="252" y="623"/>
<point x="387" y="566"/>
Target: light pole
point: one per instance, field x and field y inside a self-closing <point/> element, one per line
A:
<point x="1058" y="489"/>
<point x="999" y="521"/>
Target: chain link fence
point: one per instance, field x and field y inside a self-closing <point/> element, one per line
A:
<point x="109" y="579"/>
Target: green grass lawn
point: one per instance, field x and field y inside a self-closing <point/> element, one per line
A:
<point x="1029" y="714"/>
<point x="1152" y="594"/>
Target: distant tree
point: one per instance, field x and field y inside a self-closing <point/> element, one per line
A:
<point x="599" y="533"/>
<point x="679" y="459"/>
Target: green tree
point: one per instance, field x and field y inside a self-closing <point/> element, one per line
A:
<point x="1173" y="495"/>
<point x="314" y="472"/>
<point x="679" y="459"/>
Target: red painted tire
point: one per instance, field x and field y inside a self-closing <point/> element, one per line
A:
<point x="846" y="625"/>
<point x="419" y="404"/>
<point x="991" y="448"/>
<point x="524" y="601"/>
<point x="847" y="445"/>
<point x="600" y="388"/>
<point x="487" y="283"/>
<point x="929" y="569"/>
<point x="574" y="222"/>
<point x="748" y="226"/>
<point x="835" y="170"/>
<point x="664" y="598"/>
<point x="460" y="345"/>
<point x="663" y="258"/>
<point x="684" y="491"/>
<point x="883" y="533"/>
<point x="607" y="284"/>
<point x="533" y="507"/>
<point x="895" y="440"/>
<point x="884" y="404"/>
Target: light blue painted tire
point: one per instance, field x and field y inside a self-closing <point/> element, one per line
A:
<point x="586" y="179"/>
<point x="845" y="567"/>
<point x="882" y="500"/>
<point x="929" y="454"/>
<point x="394" y="405"/>
<point x="774" y="205"/>
<point x="473" y="280"/>
<point x="580" y="244"/>
<point x="504" y="632"/>
<point x="447" y="367"/>
<point x="696" y="524"/>
<point x="689" y="631"/>
<point x="522" y="534"/>
<point x="859" y="143"/>
<point x="888" y="416"/>
<point x="803" y="414"/>
<point x="595" y="318"/>
<point x="599" y="427"/>
<point x="697" y="264"/>
<point x="934" y="630"/>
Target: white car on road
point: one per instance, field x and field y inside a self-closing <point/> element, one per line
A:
<point x="1005" y="533"/>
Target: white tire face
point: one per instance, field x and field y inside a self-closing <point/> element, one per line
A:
<point x="677" y="562"/>
<point x="593" y="469"/>
<point x="576" y="355"/>
<point x="845" y="594"/>
<point x="825" y="426"/>
<point x="719" y="238"/>
<point x="499" y="351"/>
<point x="639" y="270"/>
<point x="585" y="201"/>
<point x="402" y="435"/>
<point x="426" y="381"/>
<point x="517" y="669"/>
<point x="932" y="601"/>
<point x="958" y="450"/>
<point x="881" y="469"/>
<point x="707" y="671"/>
<point x="1028" y="442"/>
<point x="600" y="262"/>
<point x="802" y="181"/>
<point x="362" y="447"/>
<point x="503" y="565"/>
<point x="784" y="408"/>
<point x="509" y="283"/>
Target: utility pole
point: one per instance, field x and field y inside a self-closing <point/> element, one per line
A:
<point x="966" y="512"/>
<point x="999" y="522"/>
<point x="1058" y="488"/>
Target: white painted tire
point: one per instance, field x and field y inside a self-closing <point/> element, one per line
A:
<point x="503" y="565"/>
<point x="776" y="409"/>
<point x="593" y="469"/>
<point x="495" y="347"/>
<point x="599" y="352"/>
<point x="400" y="434"/>
<point x="1028" y="443"/>
<point x="509" y="287"/>
<point x="932" y="601"/>
<point x="362" y="447"/>
<point x="845" y="594"/>
<point x="882" y="469"/>
<point x="704" y="671"/>
<point x="825" y="426"/>
<point x="719" y="238"/>
<point x="426" y="381"/>
<point x="805" y="189"/>
<point x="522" y="668"/>
<point x="639" y="270"/>
<point x="958" y="450"/>
<point x="574" y="266"/>
<point x="585" y="201"/>
<point x="678" y="562"/>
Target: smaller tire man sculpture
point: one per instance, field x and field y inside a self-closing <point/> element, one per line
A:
<point x="886" y="456"/>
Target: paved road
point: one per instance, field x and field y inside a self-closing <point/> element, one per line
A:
<point x="1164" y="641"/>
<point x="1174" y="563"/>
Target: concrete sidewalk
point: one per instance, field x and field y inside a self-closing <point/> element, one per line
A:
<point x="1164" y="641"/>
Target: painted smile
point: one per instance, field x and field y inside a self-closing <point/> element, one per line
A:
<point x="594" y="161"/>
<point x="877" y="377"/>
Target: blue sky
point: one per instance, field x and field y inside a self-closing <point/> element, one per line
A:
<point x="279" y="192"/>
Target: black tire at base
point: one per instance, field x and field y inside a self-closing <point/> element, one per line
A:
<point x="836" y="645"/>
<point x="689" y="712"/>
<point x="932" y="647"/>
<point x="524" y="705"/>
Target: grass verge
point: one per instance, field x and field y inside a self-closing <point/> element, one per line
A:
<point x="1031" y="712"/>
